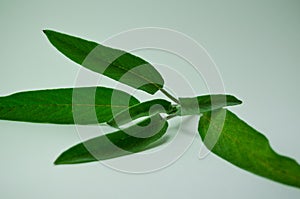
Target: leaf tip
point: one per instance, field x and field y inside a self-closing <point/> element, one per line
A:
<point x="239" y="101"/>
<point x="235" y="100"/>
<point x="62" y="159"/>
<point x="58" y="161"/>
<point x="45" y="31"/>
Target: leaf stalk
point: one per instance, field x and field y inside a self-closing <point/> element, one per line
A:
<point x="171" y="97"/>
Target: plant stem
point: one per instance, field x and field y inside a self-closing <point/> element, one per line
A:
<point x="169" y="96"/>
<point x="170" y="117"/>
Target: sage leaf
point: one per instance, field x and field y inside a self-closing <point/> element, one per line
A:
<point x="202" y="104"/>
<point x="86" y="105"/>
<point x="133" y="139"/>
<point x="113" y="63"/>
<point x="243" y="146"/>
<point x="140" y="110"/>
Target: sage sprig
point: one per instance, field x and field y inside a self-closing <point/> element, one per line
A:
<point x="222" y="131"/>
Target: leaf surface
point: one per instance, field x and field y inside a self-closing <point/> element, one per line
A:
<point x="113" y="63"/>
<point x="204" y="103"/>
<point x="134" y="139"/>
<point x="140" y="110"/>
<point x="243" y="146"/>
<point x="87" y="105"/>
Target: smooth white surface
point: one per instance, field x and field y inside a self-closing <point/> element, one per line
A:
<point x="255" y="44"/>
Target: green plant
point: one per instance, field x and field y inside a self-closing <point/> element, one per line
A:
<point x="222" y="131"/>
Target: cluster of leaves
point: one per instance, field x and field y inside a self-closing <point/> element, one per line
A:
<point x="237" y="142"/>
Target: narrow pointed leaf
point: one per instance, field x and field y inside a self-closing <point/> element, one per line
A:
<point x="140" y="110"/>
<point x="113" y="63"/>
<point x="89" y="105"/>
<point x="134" y="139"/>
<point x="202" y="104"/>
<point x="243" y="146"/>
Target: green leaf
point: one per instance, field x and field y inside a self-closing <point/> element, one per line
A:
<point x="246" y="148"/>
<point x="202" y="104"/>
<point x="124" y="142"/>
<point x="140" y="110"/>
<point x="89" y="105"/>
<point x="116" y="64"/>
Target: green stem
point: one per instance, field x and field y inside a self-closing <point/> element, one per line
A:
<point x="169" y="96"/>
<point x="170" y="116"/>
